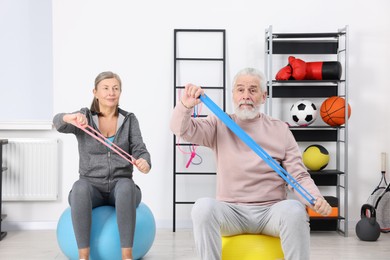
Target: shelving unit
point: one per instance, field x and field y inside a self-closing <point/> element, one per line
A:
<point x="2" y="142"/>
<point x="331" y="46"/>
<point x="198" y="61"/>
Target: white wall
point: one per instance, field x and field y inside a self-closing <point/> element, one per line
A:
<point x="135" y="39"/>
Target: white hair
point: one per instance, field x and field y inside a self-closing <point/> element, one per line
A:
<point x="253" y="72"/>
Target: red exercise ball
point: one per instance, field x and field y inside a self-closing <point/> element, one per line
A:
<point x="333" y="111"/>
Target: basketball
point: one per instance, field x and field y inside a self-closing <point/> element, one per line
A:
<point x="315" y="157"/>
<point x="332" y="111"/>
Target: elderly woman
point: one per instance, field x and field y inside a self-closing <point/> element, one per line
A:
<point x="105" y="177"/>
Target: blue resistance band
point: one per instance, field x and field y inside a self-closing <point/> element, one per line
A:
<point x="256" y="148"/>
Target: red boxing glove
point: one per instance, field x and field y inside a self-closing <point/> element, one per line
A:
<point x="298" y="68"/>
<point x="284" y="73"/>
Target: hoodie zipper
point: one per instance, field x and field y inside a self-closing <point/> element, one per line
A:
<point x="110" y="173"/>
<point x="108" y="155"/>
<point x="109" y="170"/>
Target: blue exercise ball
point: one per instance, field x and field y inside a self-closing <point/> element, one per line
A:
<point x="104" y="243"/>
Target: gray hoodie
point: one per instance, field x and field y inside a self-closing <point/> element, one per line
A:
<point x="98" y="163"/>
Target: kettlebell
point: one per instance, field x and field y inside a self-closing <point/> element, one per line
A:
<point x="367" y="229"/>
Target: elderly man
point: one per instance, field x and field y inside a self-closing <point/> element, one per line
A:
<point x="251" y="197"/>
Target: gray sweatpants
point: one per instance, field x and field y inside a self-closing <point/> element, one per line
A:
<point x="85" y="196"/>
<point x="287" y="219"/>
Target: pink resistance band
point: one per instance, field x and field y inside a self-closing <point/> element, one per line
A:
<point x="104" y="141"/>
<point x="193" y="147"/>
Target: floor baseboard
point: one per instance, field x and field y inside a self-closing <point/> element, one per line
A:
<point x="28" y="225"/>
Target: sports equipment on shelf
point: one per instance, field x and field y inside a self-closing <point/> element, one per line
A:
<point x="303" y="112"/>
<point x="298" y="69"/>
<point x="332" y="111"/>
<point x="315" y="157"/>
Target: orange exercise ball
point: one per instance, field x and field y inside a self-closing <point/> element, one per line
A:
<point x="332" y="111"/>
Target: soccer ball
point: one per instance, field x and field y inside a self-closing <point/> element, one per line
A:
<point x="303" y="112"/>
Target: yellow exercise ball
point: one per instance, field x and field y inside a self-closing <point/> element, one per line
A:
<point x="251" y="247"/>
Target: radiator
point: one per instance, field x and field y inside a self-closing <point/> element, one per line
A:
<point x="32" y="169"/>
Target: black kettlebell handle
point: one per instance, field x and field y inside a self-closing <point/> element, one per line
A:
<point x="372" y="216"/>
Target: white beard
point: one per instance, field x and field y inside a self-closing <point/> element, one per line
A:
<point x="246" y="113"/>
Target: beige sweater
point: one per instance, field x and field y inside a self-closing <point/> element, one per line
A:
<point x="242" y="176"/>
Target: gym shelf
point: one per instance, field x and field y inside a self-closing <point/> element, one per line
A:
<point x="324" y="46"/>
<point x="326" y="177"/>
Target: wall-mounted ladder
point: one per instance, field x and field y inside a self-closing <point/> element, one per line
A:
<point x="199" y="58"/>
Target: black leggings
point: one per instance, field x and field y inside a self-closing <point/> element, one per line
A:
<point x="85" y="196"/>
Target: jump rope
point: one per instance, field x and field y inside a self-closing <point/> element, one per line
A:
<point x="102" y="139"/>
<point x="256" y="148"/>
<point x="196" y="111"/>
